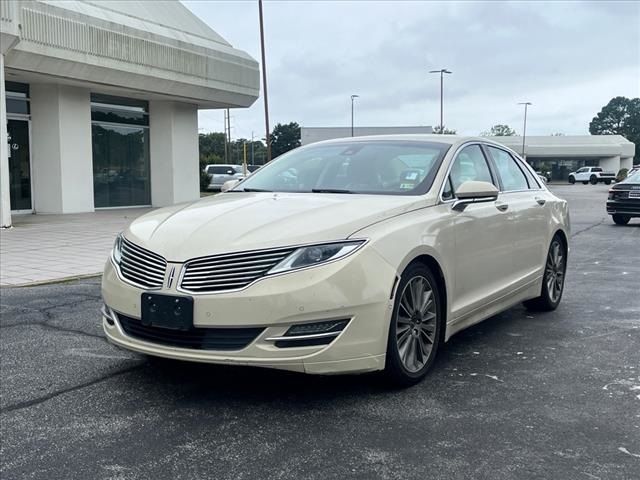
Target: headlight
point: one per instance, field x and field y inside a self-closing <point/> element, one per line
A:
<point x="315" y="255"/>
<point x="116" y="253"/>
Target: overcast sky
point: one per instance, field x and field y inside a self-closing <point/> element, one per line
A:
<point x="567" y="58"/>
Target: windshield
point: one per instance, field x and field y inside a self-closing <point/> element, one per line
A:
<point x="377" y="167"/>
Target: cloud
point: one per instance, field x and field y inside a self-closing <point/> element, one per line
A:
<point x="568" y="58"/>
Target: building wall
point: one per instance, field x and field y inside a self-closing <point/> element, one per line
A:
<point x="61" y="155"/>
<point x="173" y="135"/>
<point x="610" y="164"/>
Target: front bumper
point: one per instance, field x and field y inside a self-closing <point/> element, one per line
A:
<point x="356" y="288"/>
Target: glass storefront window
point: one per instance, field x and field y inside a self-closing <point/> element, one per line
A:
<point x="120" y="135"/>
<point x="17" y="98"/>
<point x="120" y="166"/>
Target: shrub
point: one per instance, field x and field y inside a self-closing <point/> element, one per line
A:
<point x="622" y="174"/>
<point x="204" y="176"/>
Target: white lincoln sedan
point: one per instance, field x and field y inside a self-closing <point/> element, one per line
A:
<point x="350" y="255"/>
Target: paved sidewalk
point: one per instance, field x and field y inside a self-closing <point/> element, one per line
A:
<point x="41" y="248"/>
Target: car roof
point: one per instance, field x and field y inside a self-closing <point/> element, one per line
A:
<point x="431" y="138"/>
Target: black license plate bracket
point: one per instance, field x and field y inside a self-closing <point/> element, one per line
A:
<point x="167" y="311"/>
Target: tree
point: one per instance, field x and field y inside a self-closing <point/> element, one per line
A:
<point x="500" y="130"/>
<point x="621" y="116"/>
<point x="447" y="131"/>
<point x="211" y="144"/>
<point x="212" y="149"/>
<point x="284" y="138"/>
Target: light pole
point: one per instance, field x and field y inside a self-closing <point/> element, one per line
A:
<point x="352" y="98"/>
<point x="524" y="129"/>
<point x="442" y="71"/>
<point x="264" y="83"/>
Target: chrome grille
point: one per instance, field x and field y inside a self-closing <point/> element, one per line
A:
<point x="142" y="267"/>
<point x="230" y="271"/>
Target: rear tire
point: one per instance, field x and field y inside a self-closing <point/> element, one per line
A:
<point x="584" y="183"/>
<point x="572" y="179"/>
<point x="593" y="180"/>
<point x="621" y="219"/>
<point x="417" y="327"/>
<point x="553" y="279"/>
<point x="607" y="182"/>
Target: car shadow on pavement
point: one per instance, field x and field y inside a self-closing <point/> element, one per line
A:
<point x="220" y="382"/>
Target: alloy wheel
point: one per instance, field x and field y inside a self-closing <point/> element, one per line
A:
<point x="416" y="323"/>
<point x="554" y="271"/>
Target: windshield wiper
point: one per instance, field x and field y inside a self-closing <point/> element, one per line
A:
<point x="330" y="190"/>
<point x="251" y="190"/>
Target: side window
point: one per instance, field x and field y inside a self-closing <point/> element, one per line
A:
<point x="469" y="165"/>
<point x="513" y="178"/>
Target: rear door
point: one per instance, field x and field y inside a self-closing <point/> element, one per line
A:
<point x="582" y="174"/>
<point x="483" y="248"/>
<point x="528" y="215"/>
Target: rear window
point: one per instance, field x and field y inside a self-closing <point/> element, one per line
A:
<point x="596" y="169"/>
<point x="223" y="170"/>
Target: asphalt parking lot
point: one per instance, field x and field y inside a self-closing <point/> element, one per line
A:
<point x="522" y="395"/>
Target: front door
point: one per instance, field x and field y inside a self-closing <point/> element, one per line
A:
<point x="19" y="165"/>
<point x="483" y="257"/>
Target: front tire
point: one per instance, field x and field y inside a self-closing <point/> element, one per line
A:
<point x="585" y="182"/>
<point x="621" y="219"/>
<point x="416" y="329"/>
<point x="572" y="179"/>
<point x="553" y="279"/>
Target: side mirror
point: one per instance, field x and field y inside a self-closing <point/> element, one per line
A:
<point x="228" y="185"/>
<point x="474" y="192"/>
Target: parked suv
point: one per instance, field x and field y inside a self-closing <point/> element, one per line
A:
<point x="591" y="175"/>
<point x="219" y="174"/>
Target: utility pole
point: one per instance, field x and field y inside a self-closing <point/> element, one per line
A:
<point x="244" y="158"/>
<point x="264" y="83"/>
<point x="352" y="97"/>
<point x="442" y="71"/>
<point x="524" y="129"/>
<point x="252" y="160"/>
<point x="228" y="139"/>
<point x="226" y="147"/>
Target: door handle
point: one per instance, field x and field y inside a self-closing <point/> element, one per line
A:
<point x="503" y="207"/>
<point x="540" y="201"/>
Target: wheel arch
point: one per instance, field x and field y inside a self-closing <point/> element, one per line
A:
<point x="563" y="236"/>
<point x="432" y="264"/>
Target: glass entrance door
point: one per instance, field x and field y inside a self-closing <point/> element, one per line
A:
<point x="19" y="165"/>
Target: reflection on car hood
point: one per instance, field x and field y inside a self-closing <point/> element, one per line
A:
<point x="246" y="221"/>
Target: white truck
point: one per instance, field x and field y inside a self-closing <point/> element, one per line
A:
<point x="591" y="175"/>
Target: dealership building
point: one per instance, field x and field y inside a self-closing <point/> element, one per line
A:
<point x="562" y="154"/>
<point x="99" y="102"/>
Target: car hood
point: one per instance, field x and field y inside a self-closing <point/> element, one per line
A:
<point x="241" y="221"/>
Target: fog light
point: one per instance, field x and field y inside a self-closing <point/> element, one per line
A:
<point x="313" y="328"/>
<point x="310" y="334"/>
<point x="109" y="315"/>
